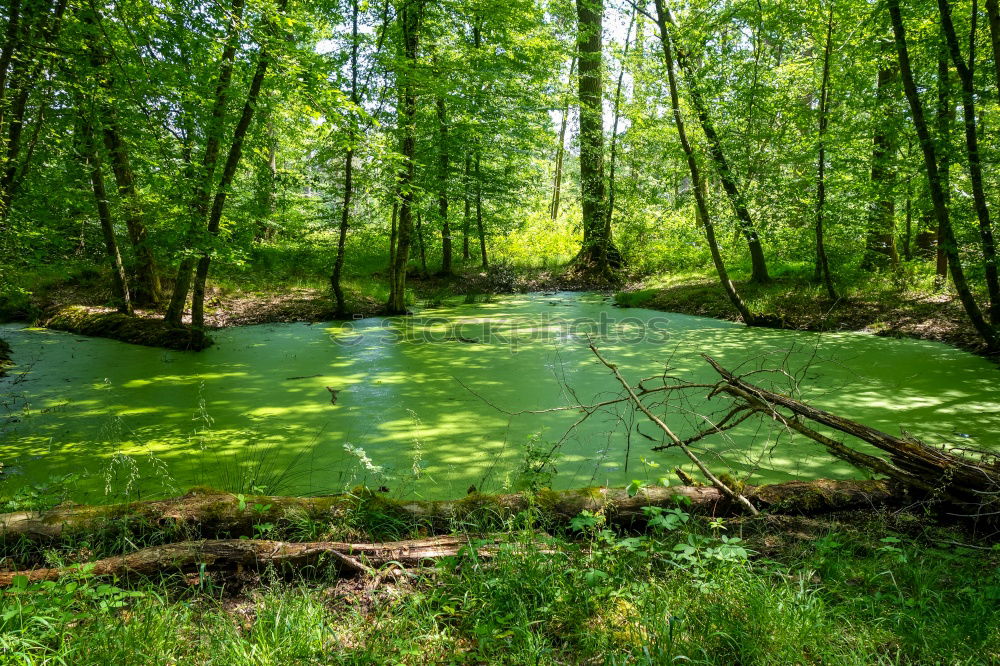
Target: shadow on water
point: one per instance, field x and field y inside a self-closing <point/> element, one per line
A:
<point x="255" y="410"/>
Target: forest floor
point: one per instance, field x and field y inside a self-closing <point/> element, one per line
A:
<point x="857" y="588"/>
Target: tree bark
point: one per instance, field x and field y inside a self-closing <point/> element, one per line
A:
<point x="119" y="281"/>
<point x="758" y="262"/>
<point x="228" y="554"/>
<point x="822" y="262"/>
<point x="966" y="72"/>
<point x="944" y="119"/>
<point x="410" y="15"/>
<point x="949" y="242"/>
<point x="210" y="513"/>
<point x="596" y="239"/>
<point x="467" y="202"/>
<point x="880" y="241"/>
<point x="614" y="128"/>
<point x="484" y="262"/>
<point x="444" y="166"/>
<point x="561" y="149"/>
<point x="697" y="184"/>
<point x="225" y="182"/>
<point x="204" y="179"/>
<point x="345" y="213"/>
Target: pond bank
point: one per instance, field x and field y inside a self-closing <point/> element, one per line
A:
<point x="879" y="309"/>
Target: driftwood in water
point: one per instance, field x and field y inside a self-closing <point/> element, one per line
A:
<point x="966" y="478"/>
<point x="229" y="554"/>
<point x="212" y="513"/>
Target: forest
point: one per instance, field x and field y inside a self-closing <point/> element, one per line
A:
<point x="510" y="331"/>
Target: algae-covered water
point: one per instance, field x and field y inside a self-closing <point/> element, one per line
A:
<point x="417" y="401"/>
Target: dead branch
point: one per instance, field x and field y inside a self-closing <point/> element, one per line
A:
<point x="726" y="490"/>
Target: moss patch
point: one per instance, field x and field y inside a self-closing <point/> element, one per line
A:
<point x="136" y="330"/>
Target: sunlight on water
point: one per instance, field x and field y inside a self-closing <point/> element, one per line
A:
<point x="416" y="403"/>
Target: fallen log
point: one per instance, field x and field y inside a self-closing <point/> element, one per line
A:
<point x="964" y="477"/>
<point x="204" y="512"/>
<point x="255" y="554"/>
<point x="127" y="328"/>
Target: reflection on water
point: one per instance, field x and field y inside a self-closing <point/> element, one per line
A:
<point x="413" y="400"/>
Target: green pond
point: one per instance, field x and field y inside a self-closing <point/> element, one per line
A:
<point x="422" y="401"/>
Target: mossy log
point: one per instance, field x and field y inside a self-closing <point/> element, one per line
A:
<point x="255" y="554"/>
<point x="126" y="328"/>
<point x="205" y="512"/>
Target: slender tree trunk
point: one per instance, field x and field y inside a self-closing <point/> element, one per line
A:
<point x="345" y="213"/>
<point x="614" y="128"/>
<point x="966" y="72"/>
<point x="479" y="215"/>
<point x="144" y="278"/>
<point x="908" y="233"/>
<point x="205" y="178"/>
<point x="146" y="282"/>
<point x="697" y="183"/>
<point x="467" y="201"/>
<point x="444" y="161"/>
<point x="945" y="118"/>
<point x="561" y="150"/>
<point x="880" y="241"/>
<point x="596" y="242"/>
<point x="983" y="327"/>
<point x="420" y="243"/>
<point x="392" y="233"/>
<point x="993" y="13"/>
<point x="410" y="14"/>
<point x="119" y="282"/>
<point x="226" y="180"/>
<point x="758" y="263"/>
<point x="822" y="263"/>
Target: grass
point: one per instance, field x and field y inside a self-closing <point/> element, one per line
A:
<point x="872" y="589"/>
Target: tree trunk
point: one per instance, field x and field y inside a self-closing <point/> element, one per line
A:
<point x="985" y="330"/>
<point x="119" y="282"/>
<point x="822" y="263"/>
<point x="410" y="14"/>
<point x="256" y="555"/>
<point x="697" y="183"/>
<point x="880" y="241"/>
<point x="345" y="213"/>
<point x="146" y="283"/>
<point x="205" y="178"/>
<point x="561" y="149"/>
<point x="467" y="201"/>
<point x="226" y="181"/>
<point x="614" y="128"/>
<point x="420" y="243"/>
<point x="966" y="73"/>
<point x="212" y="513"/>
<point x="443" y="177"/>
<point x="144" y="278"/>
<point x="596" y="241"/>
<point x="758" y="263"/>
<point x="479" y="214"/>
<point x="945" y="118"/>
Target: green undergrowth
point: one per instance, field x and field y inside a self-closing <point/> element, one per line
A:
<point x="853" y="589"/>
